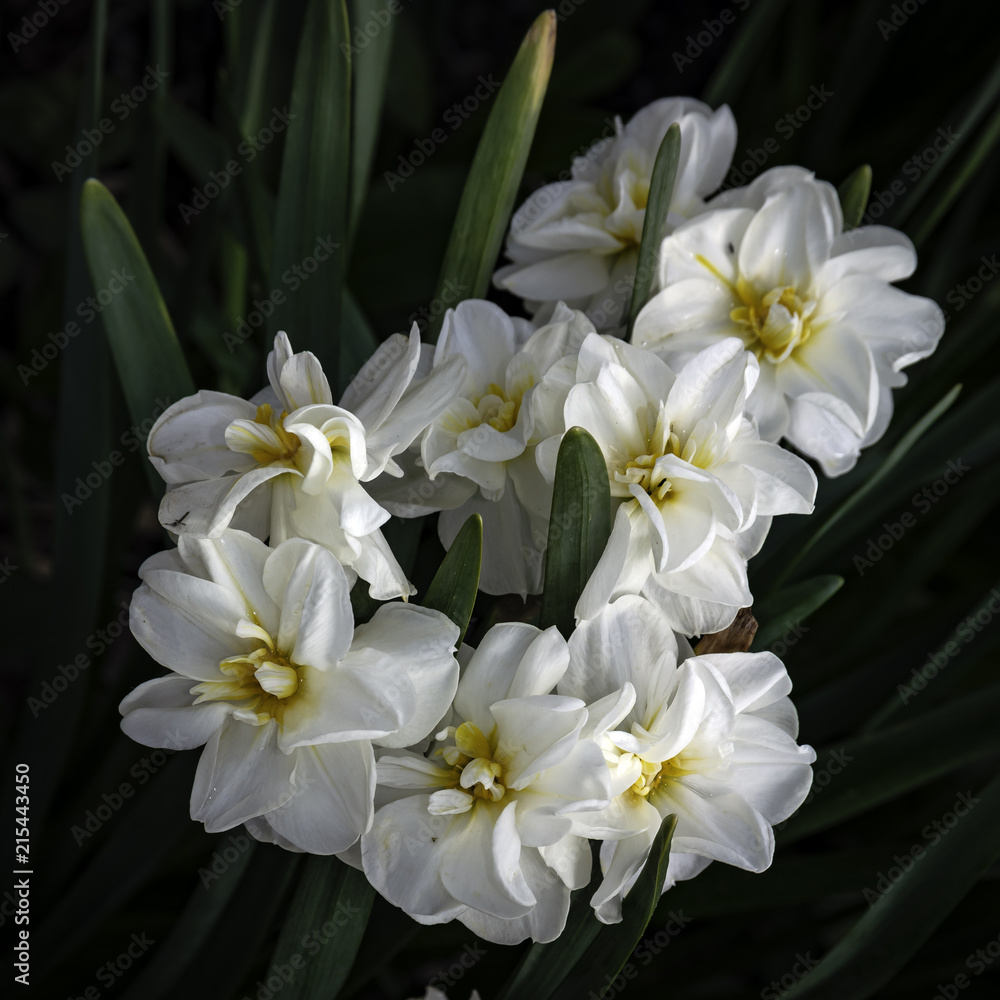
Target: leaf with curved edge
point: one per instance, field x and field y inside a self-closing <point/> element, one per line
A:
<point x="327" y="919"/>
<point x="488" y="197"/>
<point x="149" y="359"/>
<point x="853" y="195"/>
<point x="880" y="766"/>
<point x="545" y="966"/>
<point x="908" y="440"/>
<point x="661" y="189"/>
<point x="456" y="583"/>
<point x="311" y="213"/>
<point x="192" y="928"/>
<point x="614" y="943"/>
<point x="905" y="916"/>
<point x="782" y="610"/>
<point x="579" y="526"/>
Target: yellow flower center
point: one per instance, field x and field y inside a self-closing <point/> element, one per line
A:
<point x="496" y="409"/>
<point x="287" y="443"/>
<point x="703" y="448"/>
<point x="475" y="762"/>
<point x="775" y="323"/>
<point x="262" y="684"/>
<point x="653" y="775"/>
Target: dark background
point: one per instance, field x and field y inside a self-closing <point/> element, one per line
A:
<point x="891" y="98"/>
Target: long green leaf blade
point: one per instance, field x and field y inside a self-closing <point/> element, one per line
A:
<point x="784" y="609"/>
<point x="903" y="918"/>
<point x="613" y="944"/>
<point x="489" y="193"/>
<point x="579" y="526"/>
<point x="311" y="220"/>
<point x="149" y="359"/>
<point x="661" y="189"/>
<point x="454" y="587"/>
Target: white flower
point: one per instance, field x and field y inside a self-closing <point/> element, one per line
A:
<point x="478" y="456"/>
<point x="289" y="463"/>
<point x="578" y="240"/>
<point x="477" y="829"/>
<point x="694" y="487"/>
<point x="269" y="672"/>
<point x="771" y="264"/>
<point x="710" y="739"/>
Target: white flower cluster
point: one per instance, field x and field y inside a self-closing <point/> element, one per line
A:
<point x="468" y="783"/>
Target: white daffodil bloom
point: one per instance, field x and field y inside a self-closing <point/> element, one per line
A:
<point x="710" y="739"/>
<point x="287" y="696"/>
<point x="478" y="828"/>
<point x="578" y="240"/>
<point x="478" y="455"/>
<point x="290" y="463"/>
<point x="693" y="486"/>
<point x="771" y="264"/>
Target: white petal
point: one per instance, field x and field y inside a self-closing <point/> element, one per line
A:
<point x="160" y="713"/>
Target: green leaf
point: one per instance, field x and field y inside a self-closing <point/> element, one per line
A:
<point x="453" y="589"/>
<point x="785" y="608"/>
<point x="854" y="196"/>
<point x="326" y="921"/>
<point x="882" y="942"/>
<point x="545" y="966"/>
<point x="488" y="197"/>
<point x="149" y="359"/>
<point x="881" y="766"/>
<point x="579" y="526"/>
<point x="856" y="499"/>
<point x="311" y="219"/>
<point x="661" y="189"/>
<point x="193" y="927"/>
<point x="614" y="943"/>
<point x="371" y="69"/>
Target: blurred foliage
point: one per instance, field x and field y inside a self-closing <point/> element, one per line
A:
<point x="190" y="89"/>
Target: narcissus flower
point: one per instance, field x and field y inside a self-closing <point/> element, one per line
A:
<point x="578" y="240"/>
<point x="290" y="463"/>
<point x="478" y="455"/>
<point x="693" y="485"/>
<point x="270" y="674"/>
<point x="710" y="739"/>
<point x="771" y="264"/>
<point x="477" y="829"/>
